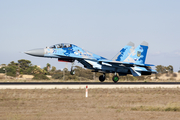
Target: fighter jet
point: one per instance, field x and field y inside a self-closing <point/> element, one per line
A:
<point x="127" y="61"/>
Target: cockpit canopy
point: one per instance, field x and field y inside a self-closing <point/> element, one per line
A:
<point x="62" y="45"/>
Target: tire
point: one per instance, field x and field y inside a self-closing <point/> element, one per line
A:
<point x="102" y="78"/>
<point x="115" y="79"/>
<point x="72" y="72"/>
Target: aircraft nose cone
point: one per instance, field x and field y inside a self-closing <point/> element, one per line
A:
<point x="36" y="52"/>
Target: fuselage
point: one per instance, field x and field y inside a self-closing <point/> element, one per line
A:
<point x="133" y="60"/>
<point x="64" y="50"/>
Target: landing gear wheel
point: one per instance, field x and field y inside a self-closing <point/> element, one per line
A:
<point x="72" y="72"/>
<point x="115" y="78"/>
<point x="102" y="78"/>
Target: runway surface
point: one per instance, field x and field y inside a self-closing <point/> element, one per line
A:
<point x="88" y="83"/>
<point x="82" y="85"/>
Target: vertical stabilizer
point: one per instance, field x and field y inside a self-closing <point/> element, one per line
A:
<point x="138" y="56"/>
<point x="124" y="52"/>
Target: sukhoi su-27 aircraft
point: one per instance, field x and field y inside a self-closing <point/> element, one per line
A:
<point x="127" y="61"/>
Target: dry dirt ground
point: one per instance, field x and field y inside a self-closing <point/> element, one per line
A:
<point x="101" y="104"/>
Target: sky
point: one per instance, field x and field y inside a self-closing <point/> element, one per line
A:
<point x="100" y="26"/>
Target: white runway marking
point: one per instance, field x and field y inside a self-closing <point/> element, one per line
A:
<point x="83" y="86"/>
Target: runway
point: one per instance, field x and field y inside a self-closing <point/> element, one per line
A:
<point x="82" y="85"/>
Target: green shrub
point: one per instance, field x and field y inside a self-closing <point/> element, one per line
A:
<point x="57" y="76"/>
<point x="11" y="71"/>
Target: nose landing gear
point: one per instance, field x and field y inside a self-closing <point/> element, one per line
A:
<point x="72" y="72"/>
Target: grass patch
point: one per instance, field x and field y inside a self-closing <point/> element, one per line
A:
<point x="172" y="109"/>
<point x="150" y="108"/>
<point x="112" y="107"/>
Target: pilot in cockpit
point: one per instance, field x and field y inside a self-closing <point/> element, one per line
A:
<point x="58" y="46"/>
<point x="53" y="46"/>
<point x="61" y="46"/>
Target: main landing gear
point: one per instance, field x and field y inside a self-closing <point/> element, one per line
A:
<point x="115" y="78"/>
<point x="102" y="78"/>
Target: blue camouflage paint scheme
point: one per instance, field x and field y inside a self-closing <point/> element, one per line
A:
<point x="127" y="61"/>
<point x="73" y="52"/>
<point x="124" y="53"/>
<point x="142" y="57"/>
<point x="138" y="56"/>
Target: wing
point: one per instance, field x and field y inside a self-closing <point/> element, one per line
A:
<point x="123" y="63"/>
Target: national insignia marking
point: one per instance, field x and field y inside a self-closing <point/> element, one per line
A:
<point x="138" y="53"/>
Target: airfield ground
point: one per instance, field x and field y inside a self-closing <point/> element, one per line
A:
<point x="108" y="104"/>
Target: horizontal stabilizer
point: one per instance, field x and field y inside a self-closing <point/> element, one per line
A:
<point x="134" y="72"/>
